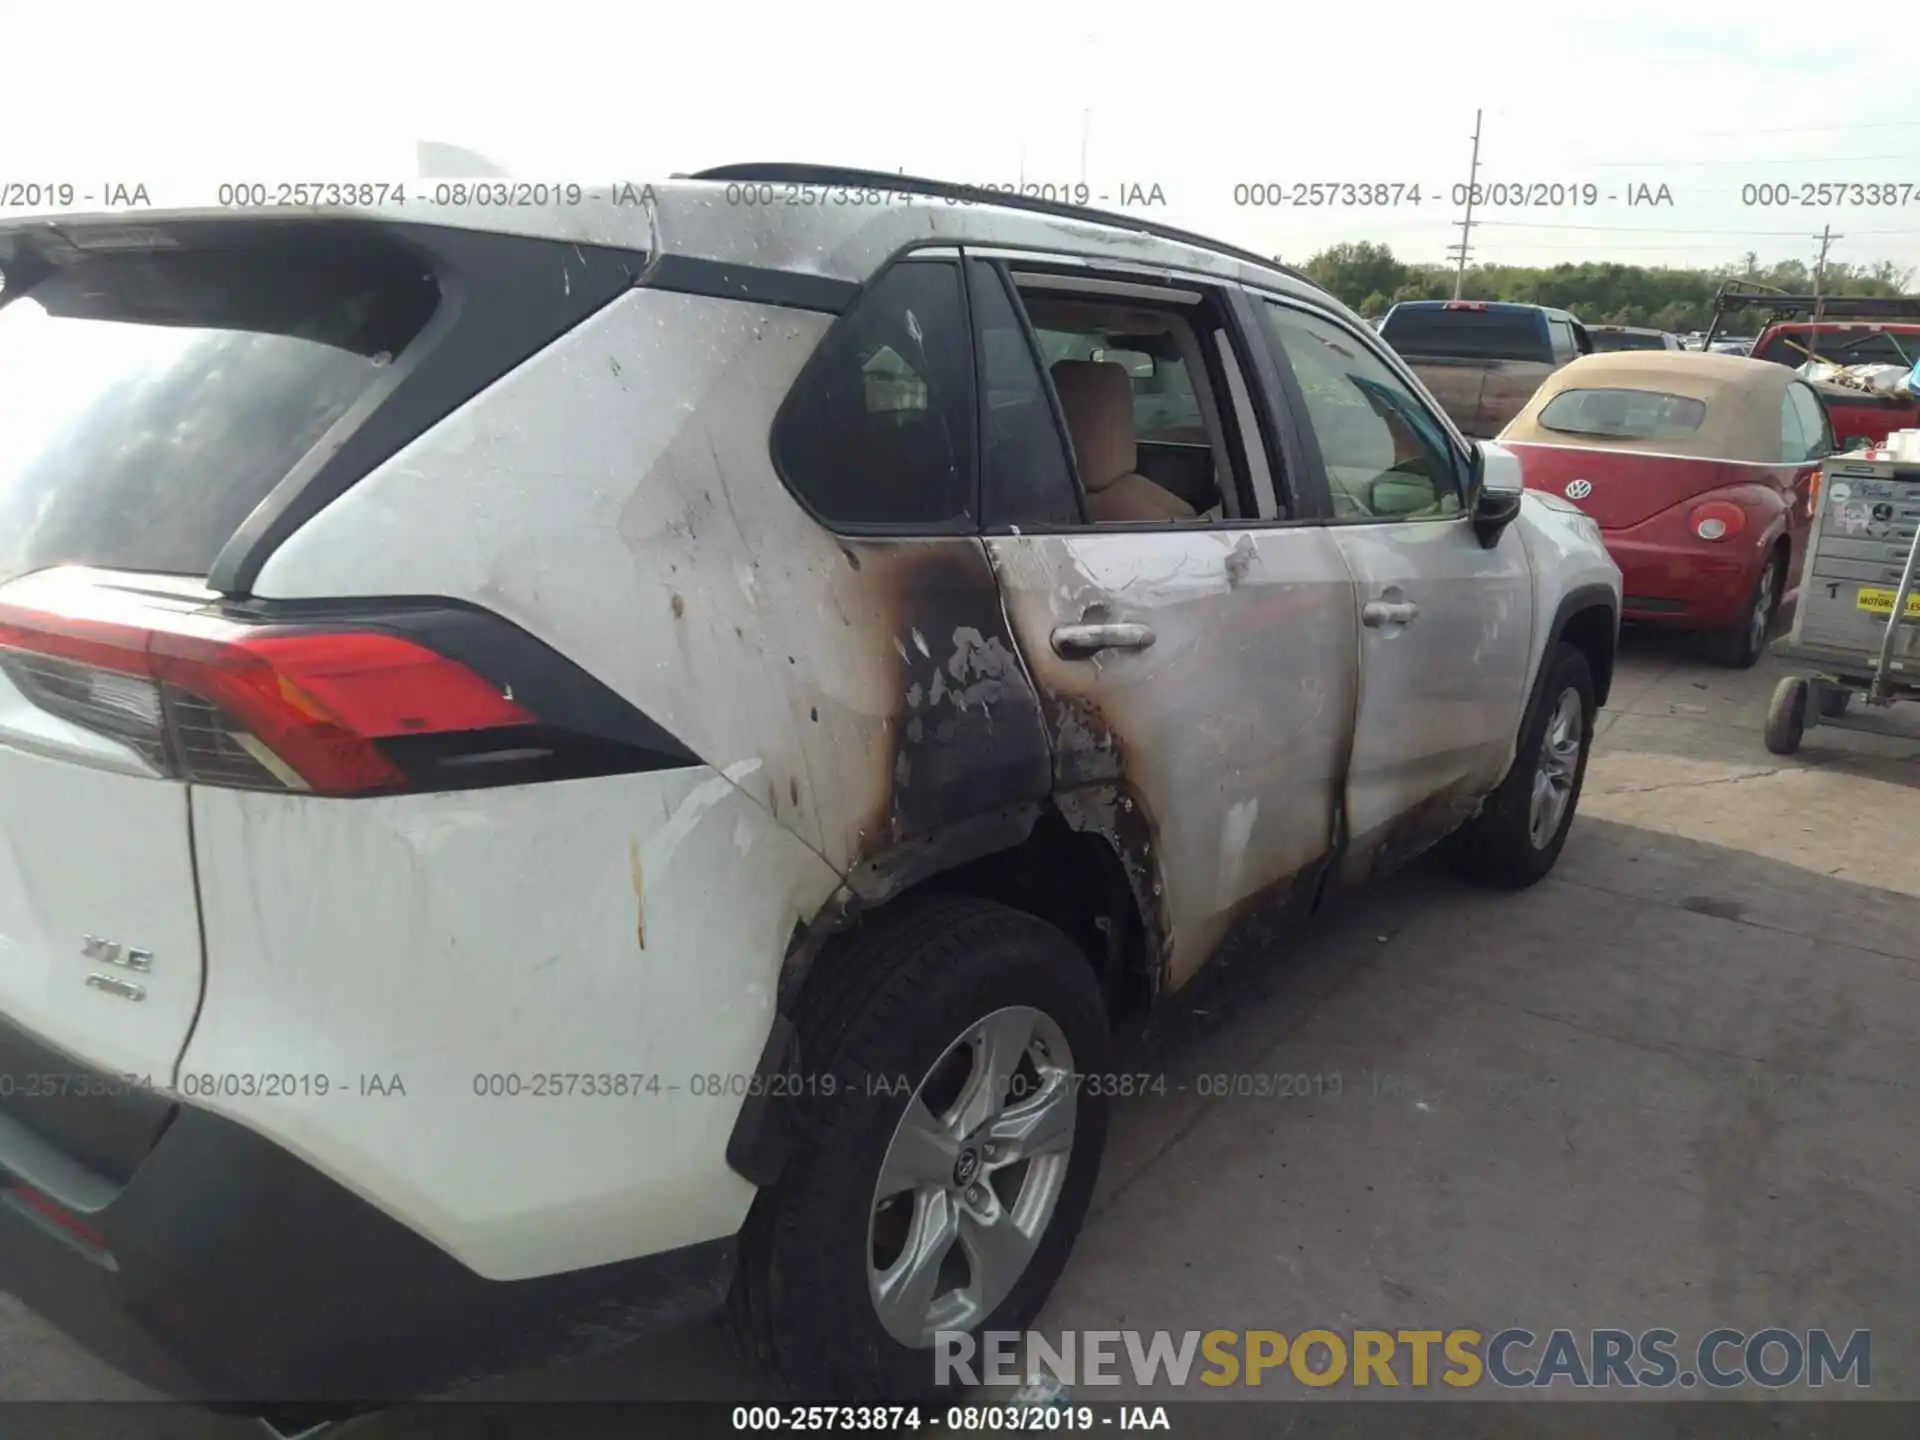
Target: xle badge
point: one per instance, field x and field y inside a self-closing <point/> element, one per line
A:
<point x="111" y="952"/>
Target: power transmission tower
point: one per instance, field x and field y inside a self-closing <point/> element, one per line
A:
<point x="1826" y="237"/>
<point x="1466" y="225"/>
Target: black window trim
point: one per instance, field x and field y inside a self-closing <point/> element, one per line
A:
<point x="1301" y="423"/>
<point x="1223" y="295"/>
<point x="990" y="524"/>
<point x="937" y="252"/>
<point x="491" y="318"/>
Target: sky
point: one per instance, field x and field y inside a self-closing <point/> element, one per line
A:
<point x="1217" y="105"/>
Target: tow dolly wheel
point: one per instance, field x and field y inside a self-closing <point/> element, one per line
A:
<point x="1787" y="715"/>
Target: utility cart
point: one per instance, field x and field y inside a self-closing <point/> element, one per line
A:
<point x="1857" y="626"/>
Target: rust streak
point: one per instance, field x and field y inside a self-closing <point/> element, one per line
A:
<point x="639" y="893"/>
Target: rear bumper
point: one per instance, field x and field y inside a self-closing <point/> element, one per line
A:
<point x="230" y="1272"/>
<point x="1690" y="587"/>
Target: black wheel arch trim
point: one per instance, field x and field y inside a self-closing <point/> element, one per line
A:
<point x="1577" y="601"/>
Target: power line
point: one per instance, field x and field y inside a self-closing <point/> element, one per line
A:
<point x="1670" y="163"/>
<point x="1807" y="129"/>
<point x="1736" y="230"/>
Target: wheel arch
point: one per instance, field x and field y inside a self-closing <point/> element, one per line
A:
<point x="1588" y="618"/>
<point x="1042" y="859"/>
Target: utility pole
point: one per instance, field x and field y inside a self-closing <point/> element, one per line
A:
<point x="1826" y="237"/>
<point x="1466" y="225"/>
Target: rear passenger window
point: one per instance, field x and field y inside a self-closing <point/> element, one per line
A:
<point x="1025" y="477"/>
<point x="879" y="429"/>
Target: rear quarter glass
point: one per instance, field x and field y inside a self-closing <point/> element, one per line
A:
<point x="149" y="400"/>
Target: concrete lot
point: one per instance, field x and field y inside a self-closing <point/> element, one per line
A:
<point x="1674" y="1085"/>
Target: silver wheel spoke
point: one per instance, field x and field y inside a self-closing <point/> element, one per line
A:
<point x="1040" y="1126"/>
<point x="922" y="1153"/>
<point x="984" y="1171"/>
<point x="905" y="1292"/>
<point x="997" y="1253"/>
<point x="1002" y="1039"/>
<point x="1559" y="763"/>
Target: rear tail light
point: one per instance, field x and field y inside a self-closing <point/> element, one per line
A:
<point x="1717" y="520"/>
<point x="52" y="1215"/>
<point x="1465" y="305"/>
<point x="204" y="698"/>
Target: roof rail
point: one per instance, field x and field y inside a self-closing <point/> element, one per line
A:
<point x="782" y="172"/>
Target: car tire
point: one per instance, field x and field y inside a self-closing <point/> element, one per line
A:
<point x="885" y="1012"/>
<point x="1503" y="845"/>
<point x="1740" y="646"/>
<point x="1787" y="715"/>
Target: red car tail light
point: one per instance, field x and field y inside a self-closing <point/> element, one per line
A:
<point x="1465" y="305"/>
<point x="48" y="1211"/>
<point x="1717" y="520"/>
<point x="207" y="700"/>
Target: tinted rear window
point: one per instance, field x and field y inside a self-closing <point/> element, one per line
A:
<point x="1623" y="414"/>
<point x="1469" y="334"/>
<point x="1625" y="340"/>
<point x="150" y="400"/>
<point x="1848" y="346"/>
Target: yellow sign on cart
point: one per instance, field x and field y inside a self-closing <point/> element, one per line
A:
<point x="1880" y="602"/>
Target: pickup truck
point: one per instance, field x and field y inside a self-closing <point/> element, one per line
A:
<point x="1483" y="359"/>
<point x="1845" y="330"/>
<point x="1632" y="337"/>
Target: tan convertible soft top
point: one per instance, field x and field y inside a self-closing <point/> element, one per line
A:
<point x="1742" y="397"/>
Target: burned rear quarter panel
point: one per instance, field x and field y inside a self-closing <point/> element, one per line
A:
<point x="616" y="497"/>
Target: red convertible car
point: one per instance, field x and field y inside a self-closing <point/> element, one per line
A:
<point x="1700" y="471"/>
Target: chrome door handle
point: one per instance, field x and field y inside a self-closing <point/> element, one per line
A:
<point x="1079" y="642"/>
<point x="1377" y="613"/>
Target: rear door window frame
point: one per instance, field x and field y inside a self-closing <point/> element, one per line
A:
<point x="1284" y="462"/>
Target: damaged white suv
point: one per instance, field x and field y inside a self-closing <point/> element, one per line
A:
<point x="559" y="761"/>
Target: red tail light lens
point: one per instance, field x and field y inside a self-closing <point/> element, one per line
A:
<point x="205" y="699"/>
<point x="49" y="1211"/>
<point x="1465" y="305"/>
<point x="1717" y="520"/>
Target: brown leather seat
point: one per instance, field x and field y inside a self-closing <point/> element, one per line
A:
<point x="1097" y="399"/>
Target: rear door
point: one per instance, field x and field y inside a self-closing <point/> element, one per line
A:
<point x="149" y="401"/>
<point x="1445" y="624"/>
<point x="1197" y="674"/>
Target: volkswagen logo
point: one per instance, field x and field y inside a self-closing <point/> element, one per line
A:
<point x="1579" y="489"/>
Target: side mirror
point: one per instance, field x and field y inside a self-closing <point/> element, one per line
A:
<point x="1399" y="495"/>
<point x="1495" y="488"/>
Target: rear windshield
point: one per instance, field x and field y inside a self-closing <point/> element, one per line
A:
<point x="1626" y="340"/>
<point x="1623" y="414"/>
<point x="1468" y="334"/>
<point x="1843" y="345"/>
<point x="149" y="400"/>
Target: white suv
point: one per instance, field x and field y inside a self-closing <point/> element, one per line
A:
<point x="556" y="761"/>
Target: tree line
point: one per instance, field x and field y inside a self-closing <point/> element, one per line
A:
<point x="1366" y="276"/>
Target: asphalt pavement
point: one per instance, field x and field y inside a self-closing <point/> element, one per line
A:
<point x="1673" y="1085"/>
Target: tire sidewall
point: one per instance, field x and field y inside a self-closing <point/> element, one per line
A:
<point x="1568" y="671"/>
<point x="821" y="1241"/>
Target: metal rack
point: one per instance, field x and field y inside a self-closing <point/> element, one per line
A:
<point x="1864" y="552"/>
